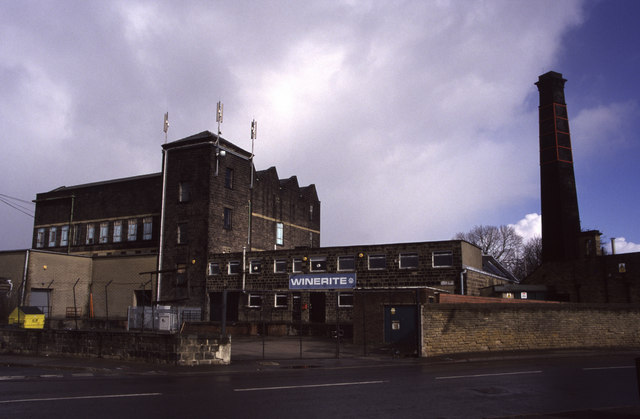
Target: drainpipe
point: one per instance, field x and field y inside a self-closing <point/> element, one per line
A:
<point x="462" y="274"/>
<point x="25" y="275"/>
<point x="73" y="200"/>
<point x="162" y="211"/>
<point x="244" y="266"/>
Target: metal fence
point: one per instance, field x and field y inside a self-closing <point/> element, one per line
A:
<point x="161" y="318"/>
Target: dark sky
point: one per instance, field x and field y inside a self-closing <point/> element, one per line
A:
<point x="415" y="119"/>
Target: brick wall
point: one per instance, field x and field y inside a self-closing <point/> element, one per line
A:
<point x="58" y="273"/>
<point x="593" y="280"/>
<point x="457" y="299"/>
<point x="449" y="328"/>
<point x="109" y="201"/>
<point x="11" y="269"/>
<point x="115" y="279"/>
<point x="156" y="348"/>
<point x="474" y="281"/>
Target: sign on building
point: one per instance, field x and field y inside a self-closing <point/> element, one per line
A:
<point x="325" y="281"/>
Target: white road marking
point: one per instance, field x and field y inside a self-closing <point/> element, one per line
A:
<point x="106" y="396"/>
<point x="12" y="377"/>
<point x="356" y="383"/>
<point x="607" y="368"/>
<point x="488" y="375"/>
<point x="82" y="374"/>
<point x="51" y="376"/>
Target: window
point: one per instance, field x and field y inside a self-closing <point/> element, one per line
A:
<point x="377" y="261"/>
<point x="254" y="300"/>
<point x="280" y="300"/>
<point x="279" y="234"/>
<point x="311" y="212"/>
<point x="75" y="235"/>
<point x="255" y="266"/>
<point x="345" y="299"/>
<point x="318" y="263"/>
<point x="227" y="218"/>
<point x="64" y="235"/>
<point x="117" y="231"/>
<point x="228" y="178"/>
<point x="346" y="263"/>
<point x="408" y="261"/>
<point x="214" y="268"/>
<point x="132" y="230"/>
<point x="147" y="232"/>
<point x="40" y="238"/>
<point x="104" y="232"/>
<point x="183" y="236"/>
<point x="234" y="267"/>
<point x="280" y="266"/>
<point x="442" y="259"/>
<point x="297" y="265"/>
<point x="91" y="234"/>
<point x="184" y="192"/>
<point x="52" y="236"/>
<point x="181" y="275"/>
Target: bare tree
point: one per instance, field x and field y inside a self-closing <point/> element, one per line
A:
<point x="503" y="243"/>
<point x="530" y="258"/>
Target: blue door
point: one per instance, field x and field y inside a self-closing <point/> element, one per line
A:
<point x="400" y="326"/>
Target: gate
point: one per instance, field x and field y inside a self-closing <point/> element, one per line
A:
<point x="277" y="325"/>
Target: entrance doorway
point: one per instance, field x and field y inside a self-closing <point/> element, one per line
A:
<point x="41" y="298"/>
<point x="400" y="326"/>
<point x="317" y="309"/>
<point x="215" y="306"/>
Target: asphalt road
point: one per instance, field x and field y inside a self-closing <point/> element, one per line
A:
<point x="396" y="389"/>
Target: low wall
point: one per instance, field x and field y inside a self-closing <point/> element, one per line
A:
<point x="459" y="328"/>
<point x="146" y="347"/>
<point x="468" y="299"/>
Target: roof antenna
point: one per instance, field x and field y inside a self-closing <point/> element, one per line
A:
<point x="166" y="126"/>
<point x="219" y="116"/>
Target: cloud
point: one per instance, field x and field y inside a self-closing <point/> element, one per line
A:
<point x="412" y="121"/>
<point x="622" y="246"/>
<point x="611" y="122"/>
<point x="529" y="227"/>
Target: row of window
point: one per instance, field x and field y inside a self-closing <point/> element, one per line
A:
<point x="345" y="299"/>
<point x="59" y="236"/>
<point x="439" y="259"/>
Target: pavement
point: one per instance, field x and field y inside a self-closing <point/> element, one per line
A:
<point x="254" y="354"/>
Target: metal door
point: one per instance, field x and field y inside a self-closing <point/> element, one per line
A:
<point x="400" y="326"/>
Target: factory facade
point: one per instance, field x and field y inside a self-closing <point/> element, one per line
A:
<point x="211" y="233"/>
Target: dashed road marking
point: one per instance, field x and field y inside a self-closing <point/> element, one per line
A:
<point x="451" y="377"/>
<point x="356" y="383"/>
<point x="105" y="396"/>
<point x="12" y="377"/>
<point x="608" y="368"/>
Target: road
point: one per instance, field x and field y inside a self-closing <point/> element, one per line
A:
<point x="495" y="388"/>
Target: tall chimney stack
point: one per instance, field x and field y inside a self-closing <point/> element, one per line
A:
<point x="560" y="217"/>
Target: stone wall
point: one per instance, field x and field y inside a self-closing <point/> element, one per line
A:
<point x="449" y="328"/>
<point x="154" y="348"/>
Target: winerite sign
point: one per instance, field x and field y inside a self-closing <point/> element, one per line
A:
<point x="323" y="281"/>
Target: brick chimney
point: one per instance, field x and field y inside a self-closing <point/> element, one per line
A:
<point x="560" y="216"/>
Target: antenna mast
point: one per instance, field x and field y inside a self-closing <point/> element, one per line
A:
<point x="166" y="126"/>
<point x="254" y="134"/>
<point x="219" y="111"/>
